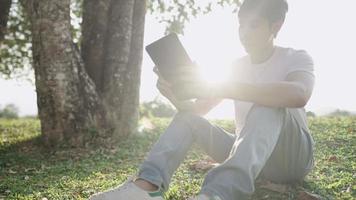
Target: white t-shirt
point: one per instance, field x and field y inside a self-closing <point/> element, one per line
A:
<point x="283" y="62"/>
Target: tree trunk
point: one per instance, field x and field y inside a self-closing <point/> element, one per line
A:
<point x="130" y="99"/>
<point x="123" y="64"/>
<point x="4" y="16"/>
<point x="115" y="63"/>
<point x="97" y="88"/>
<point x="94" y="28"/>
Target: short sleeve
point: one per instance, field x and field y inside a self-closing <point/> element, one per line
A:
<point x="300" y="61"/>
<point x="238" y="69"/>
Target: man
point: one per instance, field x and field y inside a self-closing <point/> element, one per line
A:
<point x="270" y="86"/>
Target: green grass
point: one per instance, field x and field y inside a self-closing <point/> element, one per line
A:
<point x="28" y="171"/>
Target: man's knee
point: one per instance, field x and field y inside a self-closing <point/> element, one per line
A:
<point x="263" y="112"/>
<point x="195" y="122"/>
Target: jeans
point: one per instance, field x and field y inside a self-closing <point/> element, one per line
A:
<point x="272" y="145"/>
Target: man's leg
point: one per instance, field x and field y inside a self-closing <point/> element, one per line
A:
<point x="292" y="159"/>
<point x="173" y="145"/>
<point x="266" y="131"/>
<point x="234" y="178"/>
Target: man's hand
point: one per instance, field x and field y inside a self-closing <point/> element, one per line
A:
<point x="198" y="106"/>
<point x="166" y="90"/>
<point x="196" y="90"/>
<point x="186" y="85"/>
<point x="190" y="85"/>
<point x="164" y="86"/>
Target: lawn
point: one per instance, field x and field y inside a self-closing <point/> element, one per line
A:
<point x="28" y="171"/>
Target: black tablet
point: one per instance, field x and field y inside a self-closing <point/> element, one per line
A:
<point x="168" y="54"/>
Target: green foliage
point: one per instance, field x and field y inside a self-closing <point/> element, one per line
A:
<point x="10" y="111"/>
<point x="156" y="108"/>
<point x="76" y="13"/>
<point x="176" y="13"/>
<point x="340" y="113"/>
<point x="15" y="50"/>
<point x="29" y="172"/>
<point x="311" y="114"/>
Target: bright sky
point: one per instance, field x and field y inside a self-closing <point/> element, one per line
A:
<point x="324" y="28"/>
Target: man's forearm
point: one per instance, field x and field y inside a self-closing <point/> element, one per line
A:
<point x="188" y="105"/>
<point x="192" y="106"/>
<point x="274" y="94"/>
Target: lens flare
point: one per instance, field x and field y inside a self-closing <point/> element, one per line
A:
<point x="214" y="73"/>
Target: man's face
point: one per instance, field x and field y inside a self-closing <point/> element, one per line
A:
<point x="256" y="33"/>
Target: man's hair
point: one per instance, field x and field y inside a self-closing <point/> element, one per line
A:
<point x="272" y="10"/>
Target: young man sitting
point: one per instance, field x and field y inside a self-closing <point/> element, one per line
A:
<point x="270" y="87"/>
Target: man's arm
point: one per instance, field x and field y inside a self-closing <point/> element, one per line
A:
<point x="199" y="107"/>
<point x="294" y="92"/>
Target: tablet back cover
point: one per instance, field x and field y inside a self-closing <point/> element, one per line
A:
<point x="168" y="54"/>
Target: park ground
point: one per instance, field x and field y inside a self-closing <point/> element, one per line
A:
<point x="30" y="171"/>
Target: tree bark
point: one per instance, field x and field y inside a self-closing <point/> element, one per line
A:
<point x="4" y="16"/>
<point x="66" y="97"/>
<point x="130" y="101"/>
<point x="116" y="66"/>
<point x="97" y="88"/>
<point x="94" y="28"/>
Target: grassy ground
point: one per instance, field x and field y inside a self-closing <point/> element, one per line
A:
<point x="28" y="171"/>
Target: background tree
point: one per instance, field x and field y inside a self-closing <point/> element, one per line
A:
<point x="311" y="114"/>
<point x="10" y="111"/>
<point x="340" y="113"/>
<point x="87" y="76"/>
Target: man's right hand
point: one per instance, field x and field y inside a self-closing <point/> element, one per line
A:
<point x="164" y="86"/>
<point x="166" y="90"/>
<point x="200" y="107"/>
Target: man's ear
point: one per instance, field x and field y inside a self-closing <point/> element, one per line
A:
<point x="276" y="27"/>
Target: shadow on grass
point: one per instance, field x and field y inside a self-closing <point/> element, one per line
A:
<point x="30" y="171"/>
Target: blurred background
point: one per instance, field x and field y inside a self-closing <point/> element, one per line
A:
<point x="323" y="28"/>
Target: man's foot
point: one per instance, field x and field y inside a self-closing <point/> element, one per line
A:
<point x="128" y="191"/>
<point x="204" y="197"/>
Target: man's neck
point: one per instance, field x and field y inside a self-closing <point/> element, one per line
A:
<point x="262" y="55"/>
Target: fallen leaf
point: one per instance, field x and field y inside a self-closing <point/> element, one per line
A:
<point x="203" y="165"/>
<point x="348" y="190"/>
<point x="44" y="167"/>
<point x="304" y="195"/>
<point x="30" y="169"/>
<point x="332" y="159"/>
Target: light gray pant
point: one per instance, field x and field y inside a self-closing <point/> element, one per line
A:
<point x="272" y="145"/>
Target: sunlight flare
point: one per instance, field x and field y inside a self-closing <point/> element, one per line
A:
<point x="214" y="73"/>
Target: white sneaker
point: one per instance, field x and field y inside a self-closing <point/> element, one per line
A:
<point x="204" y="197"/>
<point x="128" y="191"/>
